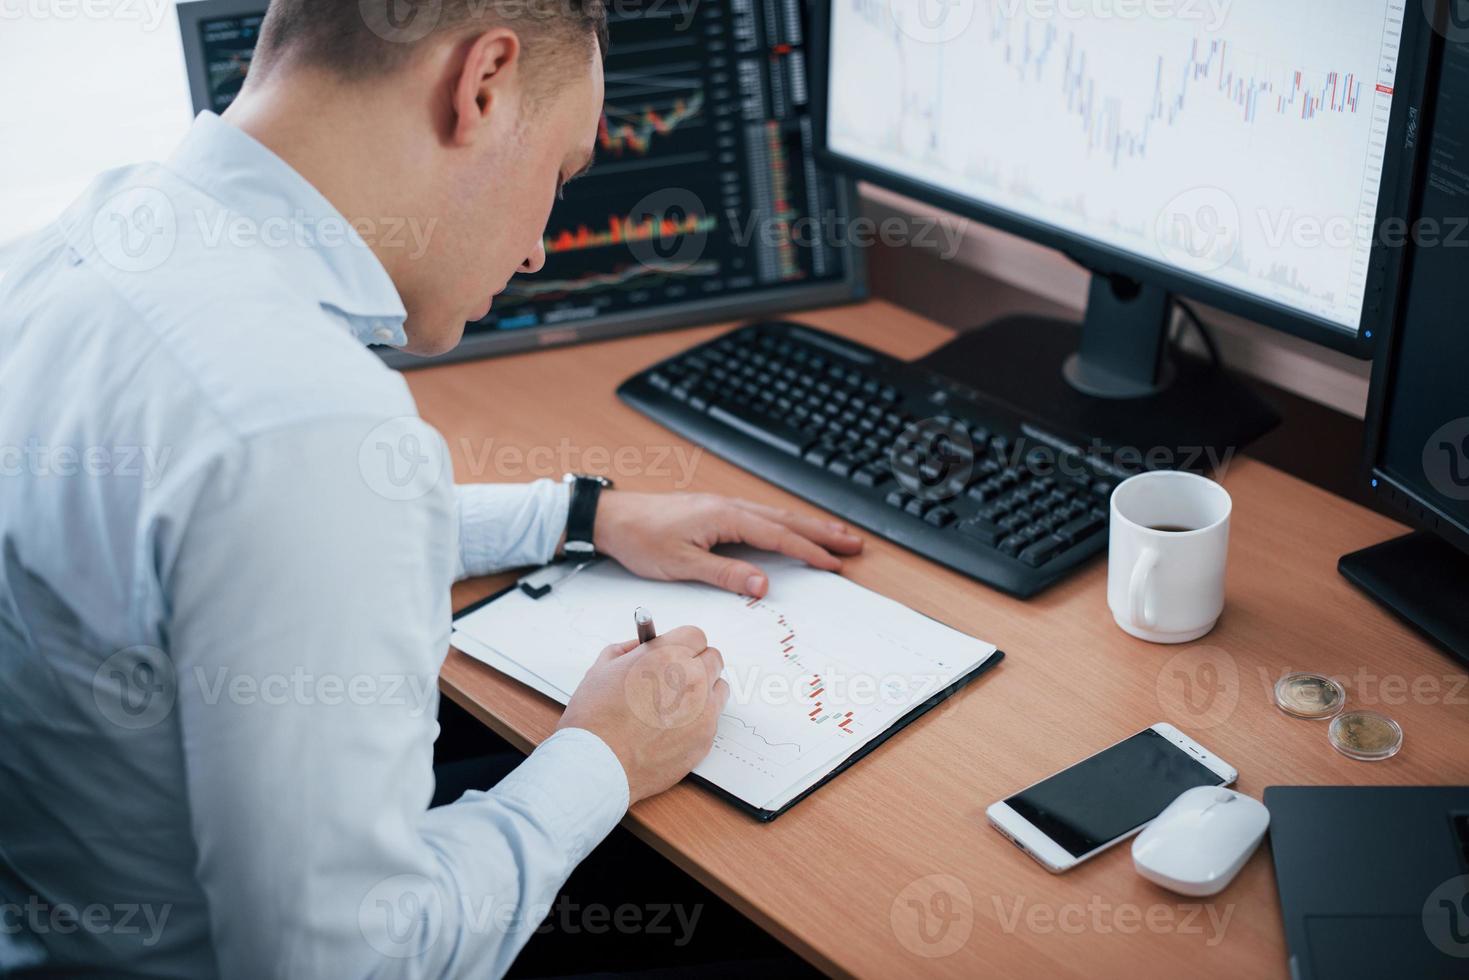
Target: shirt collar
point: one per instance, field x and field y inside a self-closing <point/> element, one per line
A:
<point x="324" y="253"/>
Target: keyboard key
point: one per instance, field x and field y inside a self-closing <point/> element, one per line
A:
<point x="772" y="432"/>
<point x="981" y="530"/>
<point x="1054" y="520"/>
<point x="917" y="507"/>
<point x="896" y="498"/>
<point x="842" y="465"/>
<point x="819" y="455"/>
<point x="939" y="517"/>
<point x="1042" y="551"/>
<point x="1080" y="528"/>
<point x="1010" y="546"/>
<point x="993" y="512"/>
<point x="871" y="476"/>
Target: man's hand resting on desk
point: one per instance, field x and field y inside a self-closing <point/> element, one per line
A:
<point x="655" y="705"/>
<point x="669" y="537"/>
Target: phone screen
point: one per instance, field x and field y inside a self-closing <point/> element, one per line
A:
<point x="1114" y="792"/>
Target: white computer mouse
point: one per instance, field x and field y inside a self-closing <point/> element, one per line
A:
<point x="1198" y="844"/>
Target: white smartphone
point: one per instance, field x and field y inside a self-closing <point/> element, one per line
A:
<point x="1081" y="811"/>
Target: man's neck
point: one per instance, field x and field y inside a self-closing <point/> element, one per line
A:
<point x="321" y="131"/>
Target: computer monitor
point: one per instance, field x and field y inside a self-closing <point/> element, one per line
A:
<point x="1418" y="411"/>
<point x="1246" y="154"/>
<point x="219" y="42"/>
<point x="705" y="203"/>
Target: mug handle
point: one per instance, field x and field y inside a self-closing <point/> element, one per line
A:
<point x="1137" y="588"/>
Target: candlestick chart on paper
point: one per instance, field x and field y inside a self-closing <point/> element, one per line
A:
<point x="812" y="673"/>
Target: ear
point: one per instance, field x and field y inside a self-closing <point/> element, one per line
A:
<point x="488" y="85"/>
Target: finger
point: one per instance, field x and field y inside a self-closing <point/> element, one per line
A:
<point x="687" y="638"/>
<point x="720" y="696"/>
<point x="767" y="535"/>
<point x="729" y="574"/>
<point x="831" y="535"/>
<point x="713" y="662"/>
<point x="614" y="650"/>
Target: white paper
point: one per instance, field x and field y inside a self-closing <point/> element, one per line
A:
<point x="816" y="669"/>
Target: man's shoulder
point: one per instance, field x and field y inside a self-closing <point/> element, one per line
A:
<point x="166" y="278"/>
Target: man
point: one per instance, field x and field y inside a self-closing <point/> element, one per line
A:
<point x="226" y="541"/>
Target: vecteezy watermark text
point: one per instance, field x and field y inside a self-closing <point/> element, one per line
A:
<point x="402" y="916"/>
<point x="39" y="918"/>
<point x="1097" y="915"/>
<point x="38" y="459"/>
<point x="149" y="13"/>
<point x="513" y="462"/>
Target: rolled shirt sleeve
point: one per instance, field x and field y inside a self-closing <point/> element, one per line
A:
<point x="507" y="525"/>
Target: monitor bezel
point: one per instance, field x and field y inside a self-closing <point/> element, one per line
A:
<point x="1398" y="497"/>
<point x="776" y="298"/>
<point x="1385" y="272"/>
<point x="1404" y="501"/>
<point x="191" y="14"/>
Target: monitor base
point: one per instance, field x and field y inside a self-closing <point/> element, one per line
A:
<point x="1423" y="580"/>
<point x="1198" y="420"/>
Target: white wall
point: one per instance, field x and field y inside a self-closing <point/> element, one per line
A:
<point x="85" y="86"/>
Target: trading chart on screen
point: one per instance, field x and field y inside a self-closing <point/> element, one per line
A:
<point x="704" y="185"/>
<point x="1241" y="142"/>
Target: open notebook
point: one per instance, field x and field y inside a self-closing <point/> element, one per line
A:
<point x="821" y="670"/>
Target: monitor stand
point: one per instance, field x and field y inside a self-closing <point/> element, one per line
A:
<point x="1111" y="383"/>
<point x="1423" y="579"/>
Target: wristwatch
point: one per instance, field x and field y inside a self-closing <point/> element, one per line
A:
<point x="581" y="516"/>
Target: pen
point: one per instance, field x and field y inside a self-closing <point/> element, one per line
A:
<point x="644" y="622"/>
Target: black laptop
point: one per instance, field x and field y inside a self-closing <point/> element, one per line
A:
<point x="1374" y="880"/>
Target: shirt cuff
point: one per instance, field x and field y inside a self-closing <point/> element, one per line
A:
<point x="508" y="525"/>
<point x="575" y="784"/>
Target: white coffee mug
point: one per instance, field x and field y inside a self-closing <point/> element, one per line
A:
<point x="1166" y="557"/>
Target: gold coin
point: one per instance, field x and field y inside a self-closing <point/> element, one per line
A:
<point x="1366" y="735"/>
<point x="1307" y="695"/>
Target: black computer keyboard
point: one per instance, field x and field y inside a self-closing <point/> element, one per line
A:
<point x="889" y="446"/>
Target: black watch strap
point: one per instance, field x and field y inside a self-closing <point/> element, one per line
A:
<point x="581" y="517"/>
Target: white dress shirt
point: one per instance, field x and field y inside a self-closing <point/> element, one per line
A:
<point x="226" y="546"/>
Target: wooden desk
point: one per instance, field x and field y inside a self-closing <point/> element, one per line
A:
<point x="848" y="876"/>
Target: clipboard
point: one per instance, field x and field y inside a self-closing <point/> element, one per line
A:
<point x="545" y="580"/>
